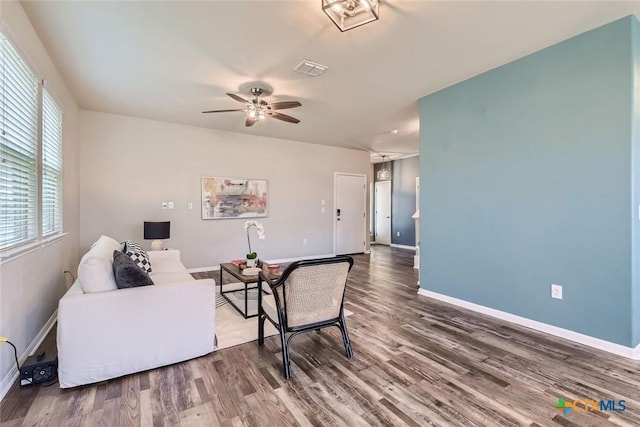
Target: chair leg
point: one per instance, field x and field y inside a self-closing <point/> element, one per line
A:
<point x="286" y="363"/>
<point x="345" y="337"/>
<point x="261" y="320"/>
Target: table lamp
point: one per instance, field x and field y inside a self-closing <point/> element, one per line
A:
<point x="156" y="230"/>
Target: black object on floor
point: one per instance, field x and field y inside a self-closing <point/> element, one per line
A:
<point x="39" y="368"/>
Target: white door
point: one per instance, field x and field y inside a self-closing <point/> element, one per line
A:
<point x="350" y="213"/>
<point x="383" y="212"/>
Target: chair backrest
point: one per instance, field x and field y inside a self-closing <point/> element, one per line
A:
<point x="313" y="290"/>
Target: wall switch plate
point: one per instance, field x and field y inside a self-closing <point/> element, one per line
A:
<point x="305" y="241"/>
<point x="322" y="210"/>
<point x="189" y="205"/>
<point x="398" y="234"/>
<point x="164" y="205"/>
<point x="556" y="291"/>
<point x="170" y="205"/>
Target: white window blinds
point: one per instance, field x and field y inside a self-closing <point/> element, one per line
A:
<point x="51" y="166"/>
<point x="18" y="148"/>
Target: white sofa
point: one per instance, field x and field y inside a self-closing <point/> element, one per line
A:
<point x="107" y="333"/>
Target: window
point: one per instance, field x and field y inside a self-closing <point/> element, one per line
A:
<point x="30" y="154"/>
<point x="51" y="166"/>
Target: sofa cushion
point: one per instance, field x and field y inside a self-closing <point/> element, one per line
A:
<point x="127" y="273"/>
<point x="95" y="271"/>
<point x="138" y="255"/>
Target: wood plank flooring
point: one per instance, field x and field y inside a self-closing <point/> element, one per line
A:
<point x="417" y="362"/>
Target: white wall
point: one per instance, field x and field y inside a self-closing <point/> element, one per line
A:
<point x="129" y="166"/>
<point x="31" y="285"/>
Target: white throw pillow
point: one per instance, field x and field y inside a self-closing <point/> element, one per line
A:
<point x="95" y="271"/>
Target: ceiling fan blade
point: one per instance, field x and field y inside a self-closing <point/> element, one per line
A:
<point x="220" y="111"/>
<point x="250" y="121"/>
<point x="237" y="98"/>
<point x="284" y="104"/>
<point x="283" y="117"/>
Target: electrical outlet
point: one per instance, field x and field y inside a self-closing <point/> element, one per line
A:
<point x="305" y="241"/>
<point x="164" y="205"/>
<point x="189" y="205"/>
<point x="556" y="291"/>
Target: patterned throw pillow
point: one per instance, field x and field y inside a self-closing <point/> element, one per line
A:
<point x="136" y="253"/>
<point x="127" y="273"/>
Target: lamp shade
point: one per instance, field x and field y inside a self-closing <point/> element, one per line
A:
<point x="154" y="230"/>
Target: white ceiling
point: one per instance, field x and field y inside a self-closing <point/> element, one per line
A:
<point x="171" y="60"/>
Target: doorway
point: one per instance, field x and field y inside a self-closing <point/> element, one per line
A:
<point x="383" y="212"/>
<point x="350" y="218"/>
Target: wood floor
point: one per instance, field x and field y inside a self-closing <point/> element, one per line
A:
<point x="417" y="362"/>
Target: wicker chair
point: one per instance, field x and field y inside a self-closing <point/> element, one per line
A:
<point x="309" y="295"/>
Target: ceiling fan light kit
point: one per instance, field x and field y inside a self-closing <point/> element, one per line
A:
<point x="349" y="14"/>
<point x="258" y="109"/>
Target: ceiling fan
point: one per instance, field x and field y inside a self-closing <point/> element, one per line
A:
<point x="258" y="109"/>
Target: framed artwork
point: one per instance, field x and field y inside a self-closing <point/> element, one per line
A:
<point x="224" y="197"/>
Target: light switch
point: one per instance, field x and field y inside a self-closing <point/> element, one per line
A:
<point x="170" y="205"/>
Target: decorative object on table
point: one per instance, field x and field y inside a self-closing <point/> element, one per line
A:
<point x="251" y="271"/>
<point x="241" y="263"/>
<point x="252" y="257"/>
<point x="252" y="260"/>
<point x="157" y="231"/>
<point x="234" y="198"/>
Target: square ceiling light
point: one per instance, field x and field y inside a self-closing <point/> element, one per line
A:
<point x="349" y="14"/>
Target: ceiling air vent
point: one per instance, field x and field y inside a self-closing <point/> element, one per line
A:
<point x="310" y="68"/>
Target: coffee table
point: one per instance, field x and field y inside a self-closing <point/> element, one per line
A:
<point x="237" y="293"/>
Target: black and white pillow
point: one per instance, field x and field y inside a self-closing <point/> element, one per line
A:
<point x="127" y="273"/>
<point x="136" y="253"/>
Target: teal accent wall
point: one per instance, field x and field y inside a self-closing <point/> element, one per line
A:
<point x="526" y="180"/>
<point x="635" y="147"/>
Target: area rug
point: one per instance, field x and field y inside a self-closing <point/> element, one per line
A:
<point x="232" y="329"/>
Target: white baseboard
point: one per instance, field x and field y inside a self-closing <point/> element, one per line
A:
<point x="394" y="245"/>
<point x="620" y="350"/>
<point x="276" y="261"/>
<point x="203" y="269"/>
<point x="12" y="375"/>
<point x="268" y="261"/>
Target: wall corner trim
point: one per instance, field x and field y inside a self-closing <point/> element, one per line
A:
<point x="12" y="375"/>
<point x="609" y="347"/>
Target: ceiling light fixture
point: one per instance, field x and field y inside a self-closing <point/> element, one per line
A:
<point x="256" y="108"/>
<point x="383" y="173"/>
<point x="349" y="14"/>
